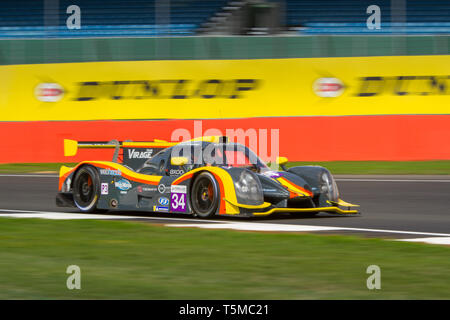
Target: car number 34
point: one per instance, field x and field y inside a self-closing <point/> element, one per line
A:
<point x="178" y="202"/>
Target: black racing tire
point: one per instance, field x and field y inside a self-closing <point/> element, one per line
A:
<point x="205" y="195"/>
<point x="86" y="189"/>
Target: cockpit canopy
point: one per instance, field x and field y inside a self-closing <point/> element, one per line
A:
<point x="201" y="153"/>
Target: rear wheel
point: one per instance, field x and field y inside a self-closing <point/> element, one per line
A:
<point x="86" y="189"/>
<point x="205" y="195"/>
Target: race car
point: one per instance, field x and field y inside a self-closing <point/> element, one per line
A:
<point x="204" y="177"/>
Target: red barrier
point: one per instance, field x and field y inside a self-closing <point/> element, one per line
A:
<point x="404" y="137"/>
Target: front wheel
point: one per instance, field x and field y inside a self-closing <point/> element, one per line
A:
<point x="205" y="195"/>
<point x="86" y="189"/>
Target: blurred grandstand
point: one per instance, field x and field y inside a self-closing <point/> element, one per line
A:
<point x="156" y="18"/>
<point x="347" y="16"/>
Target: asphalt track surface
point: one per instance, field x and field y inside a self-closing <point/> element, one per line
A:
<point x="406" y="203"/>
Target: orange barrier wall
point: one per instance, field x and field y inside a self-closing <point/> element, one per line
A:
<point x="392" y="137"/>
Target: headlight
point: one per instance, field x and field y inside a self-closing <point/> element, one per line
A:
<point x="248" y="189"/>
<point x="329" y="187"/>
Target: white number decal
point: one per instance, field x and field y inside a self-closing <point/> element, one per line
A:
<point x="178" y="201"/>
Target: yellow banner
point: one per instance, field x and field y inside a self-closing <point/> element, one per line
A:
<point x="197" y="89"/>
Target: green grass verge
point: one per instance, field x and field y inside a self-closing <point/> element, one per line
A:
<point x="130" y="260"/>
<point x="336" y="167"/>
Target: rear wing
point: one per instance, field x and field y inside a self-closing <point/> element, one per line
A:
<point x="134" y="154"/>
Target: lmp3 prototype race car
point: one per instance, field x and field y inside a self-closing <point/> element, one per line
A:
<point x="204" y="177"/>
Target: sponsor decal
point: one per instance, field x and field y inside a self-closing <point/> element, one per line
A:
<point x="176" y="172"/>
<point x="136" y="154"/>
<point x="273" y="174"/>
<point x="161" y="188"/>
<point x="270" y="190"/>
<point x="109" y="172"/>
<point x="229" y="94"/>
<point x="49" y="92"/>
<point x="164" y="89"/>
<point x="147" y="189"/>
<point x="104" y="188"/>
<point x="161" y="208"/>
<point x="178" y="202"/>
<point x="404" y="86"/>
<point x="178" y="189"/>
<point x="123" y="185"/>
<point x="163" y="201"/>
<point x="378" y="85"/>
<point x="328" y="87"/>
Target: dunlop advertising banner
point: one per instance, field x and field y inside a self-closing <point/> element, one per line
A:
<point x="212" y="89"/>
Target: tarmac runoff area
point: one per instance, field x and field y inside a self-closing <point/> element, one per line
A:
<point x="403" y="208"/>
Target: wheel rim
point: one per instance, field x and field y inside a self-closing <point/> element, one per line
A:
<point x="204" y="196"/>
<point x="85" y="190"/>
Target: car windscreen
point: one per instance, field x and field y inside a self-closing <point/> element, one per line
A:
<point x="235" y="155"/>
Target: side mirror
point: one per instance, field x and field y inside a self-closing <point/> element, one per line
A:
<point x="281" y="161"/>
<point x="178" y="161"/>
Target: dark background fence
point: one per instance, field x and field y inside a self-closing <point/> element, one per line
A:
<point x="27" y="51"/>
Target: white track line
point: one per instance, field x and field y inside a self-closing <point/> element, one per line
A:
<point x="39" y="214"/>
<point x="257" y="227"/>
<point x="433" y="240"/>
<point x="251" y="226"/>
<point x="399" y="232"/>
<point x="60" y="216"/>
<point x="211" y="224"/>
<point x="438" y="238"/>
